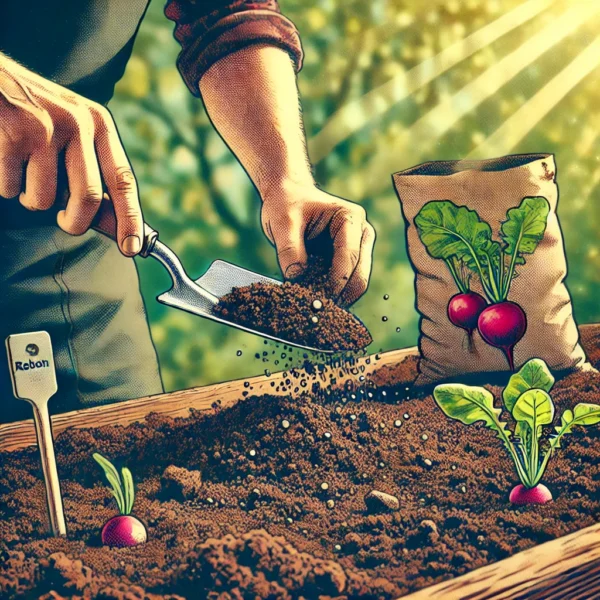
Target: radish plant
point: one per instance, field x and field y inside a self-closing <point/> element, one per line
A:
<point x="527" y="399"/>
<point x="457" y="235"/>
<point x="123" y="530"/>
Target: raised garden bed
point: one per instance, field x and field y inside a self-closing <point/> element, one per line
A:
<point x="262" y="525"/>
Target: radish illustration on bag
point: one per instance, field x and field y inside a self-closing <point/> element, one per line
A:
<point x="464" y="241"/>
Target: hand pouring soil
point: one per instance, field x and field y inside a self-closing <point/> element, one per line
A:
<point x="34" y="379"/>
<point x="198" y="297"/>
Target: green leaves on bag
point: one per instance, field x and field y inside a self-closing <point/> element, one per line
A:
<point x="457" y="234"/>
<point x="527" y="398"/>
<point x="525" y="226"/>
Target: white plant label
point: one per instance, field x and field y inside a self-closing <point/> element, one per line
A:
<point x="32" y="365"/>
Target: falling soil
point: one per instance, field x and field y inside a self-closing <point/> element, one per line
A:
<point x="266" y="499"/>
<point x="299" y="312"/>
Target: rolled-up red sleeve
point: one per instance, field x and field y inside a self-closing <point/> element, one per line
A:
<point x="211" y="29"/>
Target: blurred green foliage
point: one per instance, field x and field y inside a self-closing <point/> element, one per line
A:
<point x="202" y="203"/>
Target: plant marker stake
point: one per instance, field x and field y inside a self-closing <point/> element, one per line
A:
<point x="34" y="379"/>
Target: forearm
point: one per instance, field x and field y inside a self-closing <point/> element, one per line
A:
<point x="252" y="99"/>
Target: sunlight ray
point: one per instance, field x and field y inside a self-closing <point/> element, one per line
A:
<point x="514" y="129"/>
<point x="424" y="133"/>
<point x="356" y="114"/>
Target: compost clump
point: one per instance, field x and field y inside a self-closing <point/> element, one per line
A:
<point x="300" y="311"/>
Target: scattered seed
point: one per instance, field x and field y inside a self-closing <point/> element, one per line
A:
<point x="314" y="319"/>
<point x="285" y="424"/>
<point x="330" y="503"/>
<point x="317" y="305"/>
<point x="337" y="548"/>
<point x="397" y="423"/>
<point x="428" y="462"/>
<point x="406" y="416"/>
<point x="424" y="437"/>
<point x="324" y="486"/>
<point x="327" y="435"/>
<point x="252" y="453"/>
<point x="353" y="417"/>
<point x="463" y="489"/>
<point x="453" y="467"/>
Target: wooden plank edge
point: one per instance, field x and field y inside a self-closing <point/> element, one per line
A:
<point x="568" y="567"/>
<point x="21" y="434"/>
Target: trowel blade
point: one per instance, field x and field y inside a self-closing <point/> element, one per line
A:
<point x="220" y="278"/>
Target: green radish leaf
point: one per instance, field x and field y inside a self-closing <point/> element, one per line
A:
<point x="129" y="489"/>
<point x="583" y="414"/>
<point x="525" y="226"/>
<point x="534" y="407"/>
<point x="112" y="475"/>
<point x="534" y="374"/>
<point x="469" y="404"/>
<point x="449" y="231"/>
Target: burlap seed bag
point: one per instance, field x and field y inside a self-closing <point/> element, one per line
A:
<point x="490" y="187"/>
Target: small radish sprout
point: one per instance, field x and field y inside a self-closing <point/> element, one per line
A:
<point x="527" y="399"/>
<point x="123" y="530"/>
<point x="458" y="236"/>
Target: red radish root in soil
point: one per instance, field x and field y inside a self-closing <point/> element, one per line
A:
<point x="539" y="494"/>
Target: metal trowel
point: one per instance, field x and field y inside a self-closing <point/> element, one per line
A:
<point x="198" y="297"/>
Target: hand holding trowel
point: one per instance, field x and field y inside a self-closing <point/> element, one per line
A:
<point x="198" y="297"/>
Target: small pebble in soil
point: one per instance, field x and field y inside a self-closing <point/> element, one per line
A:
<point x="377" y="501"/>
<point x="285" y="424"/>
<point x="317" y="305"/>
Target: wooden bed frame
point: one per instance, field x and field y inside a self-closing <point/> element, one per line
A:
<point x="565" y="568"/>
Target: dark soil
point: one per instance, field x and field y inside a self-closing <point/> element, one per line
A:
<point x="268" y="500"/>
<point x="299" y="312"/>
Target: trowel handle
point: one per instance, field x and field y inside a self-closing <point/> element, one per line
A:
<point x="105" y="222"/>
<point x="44" y="436"/>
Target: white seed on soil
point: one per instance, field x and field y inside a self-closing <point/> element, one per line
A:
<point x="382" y="425"/>
<point x="353" y="417"/>
<point x="330" y="503"/>
<point x="463" y="489"/>
<point x="327" y="435"/>
<point x="406" y="416"/>
<point x="285" y="424"/>
<point x="290" y="520"/>
<point x="252" y="453"/>
<point x="317" y="305"/>
<point x="314" y="319"/>
<point x="210" y="500"/>
<point x="337" y="548"/>
<point x="424" y="437"/>
<point x="481" y="538"/>
<point x="453" y="467"/>
<point x="397" y="423"/>
<point x="427" y="462"/>
<point x="324" y="486"/>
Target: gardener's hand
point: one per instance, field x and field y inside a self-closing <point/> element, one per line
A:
<point x="297" y="214"/>
<point x="39" y="120"/>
